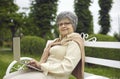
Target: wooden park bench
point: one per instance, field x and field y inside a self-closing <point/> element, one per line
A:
<point x="92" y="60"/>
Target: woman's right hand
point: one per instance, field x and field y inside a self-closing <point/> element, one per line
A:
<point x="34" y="63"/>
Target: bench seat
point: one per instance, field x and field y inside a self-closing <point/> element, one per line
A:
<point x="93" y="76"/>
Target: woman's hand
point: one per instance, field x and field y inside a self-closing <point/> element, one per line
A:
<point x="34" y="63"/>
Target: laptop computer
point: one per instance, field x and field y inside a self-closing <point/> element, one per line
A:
<point x="16" y="53"/>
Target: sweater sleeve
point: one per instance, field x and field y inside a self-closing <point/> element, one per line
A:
<point x="66" y="66"/>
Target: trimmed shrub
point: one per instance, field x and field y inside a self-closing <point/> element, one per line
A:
<point x="103" y="52"/>
<point x="7" y="44"/>
<point x="101" y="37"/>
<point x="32" y="44"/>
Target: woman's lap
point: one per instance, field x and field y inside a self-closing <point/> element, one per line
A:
<point x="27" y="74"/>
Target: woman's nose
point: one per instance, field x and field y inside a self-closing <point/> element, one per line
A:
<point x="63" y="25"/>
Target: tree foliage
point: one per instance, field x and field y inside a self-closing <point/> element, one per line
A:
<point x="104" y="19"/>
<point x="9" y="18"/>
<point x="43" y="13"/>
<point x="29" y="27"/>
<point x="85" y="23"/>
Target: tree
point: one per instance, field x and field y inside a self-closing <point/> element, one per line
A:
<point x="85" y="21"/>
<point x="104" y="19"/>
<point x="29" y="27"/>
<point x="43" y="13"/>
<point x="9" y="18"/>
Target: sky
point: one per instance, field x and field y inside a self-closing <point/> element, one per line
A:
<point x="67" y="5"/>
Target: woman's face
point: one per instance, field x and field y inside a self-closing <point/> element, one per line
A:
<point x="65" y="27"/>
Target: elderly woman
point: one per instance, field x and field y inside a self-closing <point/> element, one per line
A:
<point x="61" y="58"/>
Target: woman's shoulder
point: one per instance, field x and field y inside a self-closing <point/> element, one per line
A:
<point x="74" y="35"/>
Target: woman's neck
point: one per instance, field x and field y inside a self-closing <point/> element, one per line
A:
<point x="64" y="36"/>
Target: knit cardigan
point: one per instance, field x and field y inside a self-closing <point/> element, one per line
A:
<point x="78" y="72"/>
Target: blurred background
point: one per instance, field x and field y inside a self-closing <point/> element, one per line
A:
<point x="34" y="22"/>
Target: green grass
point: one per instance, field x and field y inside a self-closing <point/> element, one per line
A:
<point x="112" y="73"/>
<point x="6" y="57"/>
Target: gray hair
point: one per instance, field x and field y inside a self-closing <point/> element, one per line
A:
<point x="71" y="16"/>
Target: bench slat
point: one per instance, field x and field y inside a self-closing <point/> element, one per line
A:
<point x="115" y="45"/>
<point x="93" y="76"/>
<point x="104" y="62"/>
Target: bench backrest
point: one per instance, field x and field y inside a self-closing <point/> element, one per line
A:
<point x="100" y="61"/>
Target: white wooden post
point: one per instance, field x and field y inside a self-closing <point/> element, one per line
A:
<point x="16" y="48"/>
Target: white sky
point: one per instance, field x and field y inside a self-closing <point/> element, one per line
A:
<point x="68" y="5"/>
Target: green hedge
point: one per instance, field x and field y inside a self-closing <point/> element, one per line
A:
<point x="103" y="52"/>
<point x="32" y="44"/>
<point x="101" y="37"/>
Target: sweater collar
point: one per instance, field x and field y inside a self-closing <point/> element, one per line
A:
<point x="69" y="35"/>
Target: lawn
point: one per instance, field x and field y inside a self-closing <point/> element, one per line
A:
<point x="7" y="56"/>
